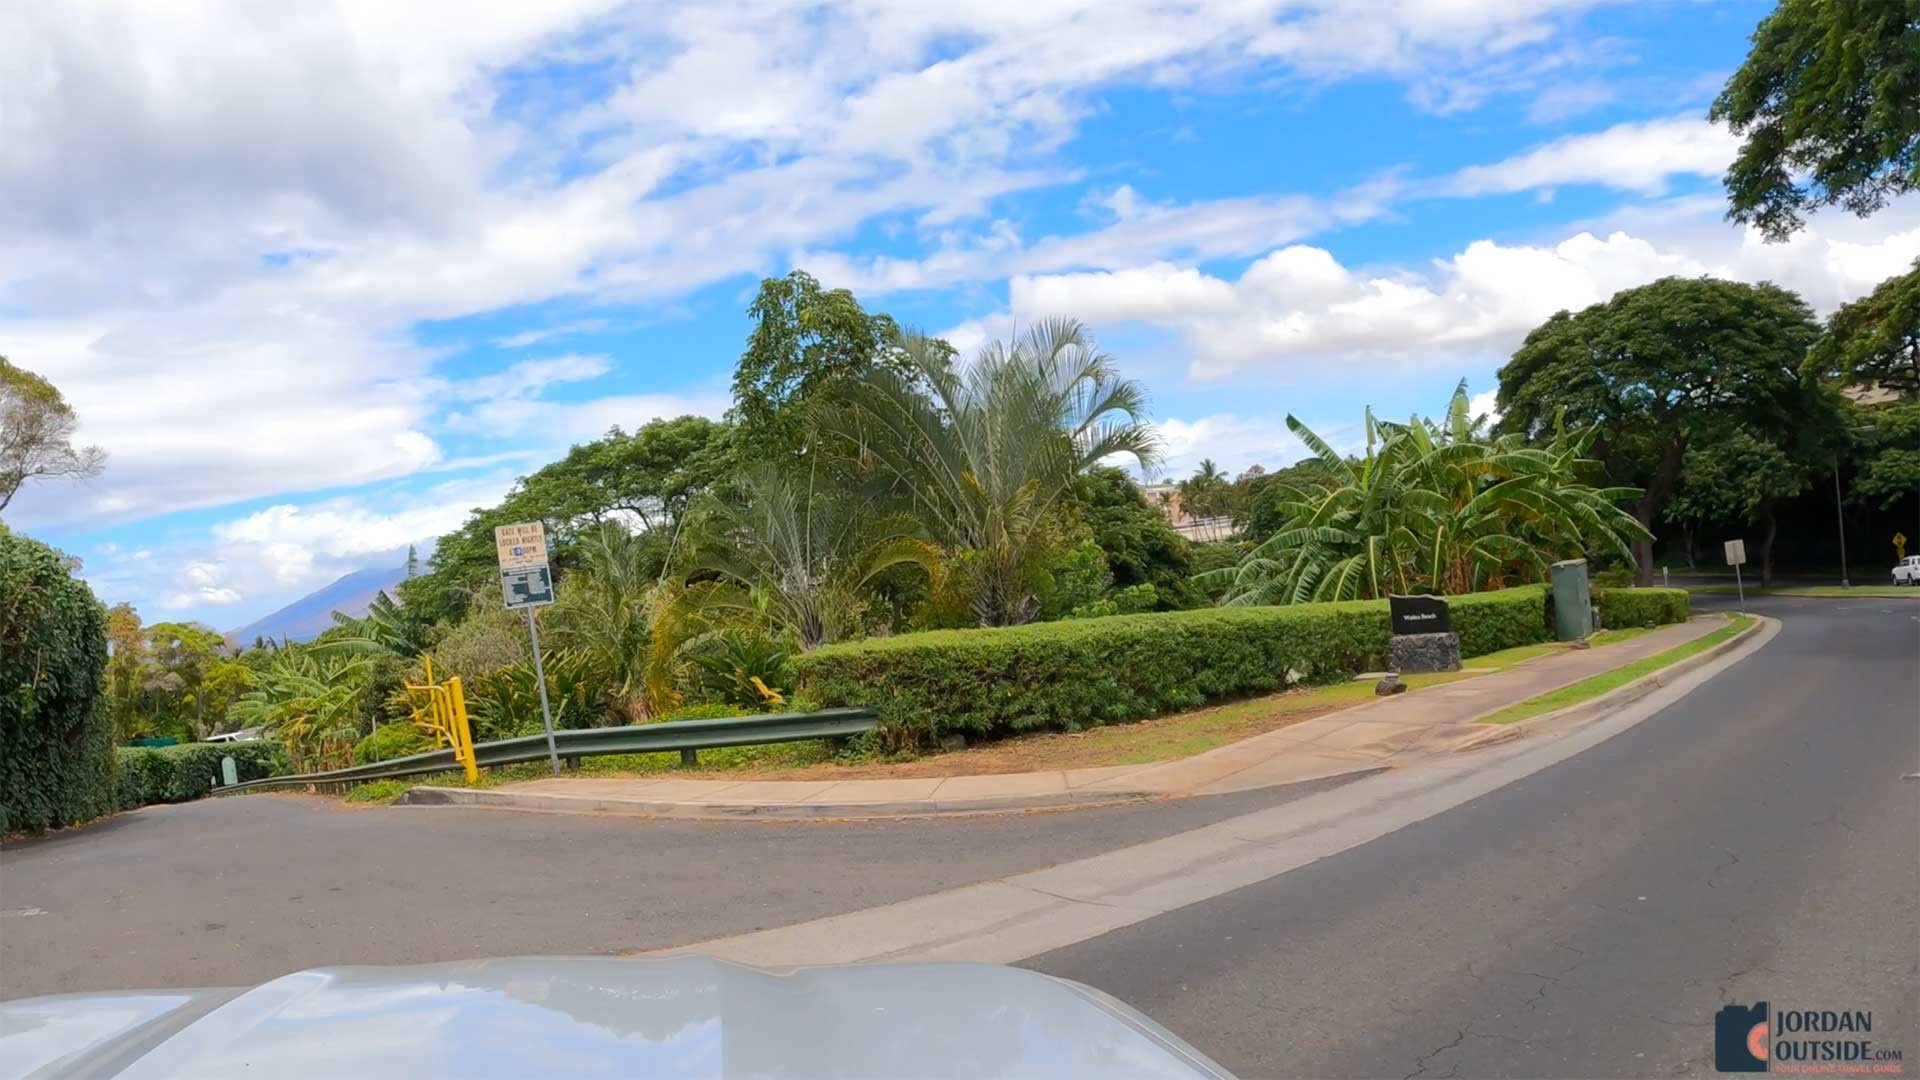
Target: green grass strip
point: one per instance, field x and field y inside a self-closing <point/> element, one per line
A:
<point x="1853" y="592"/>
<point x="1599" y="684"/>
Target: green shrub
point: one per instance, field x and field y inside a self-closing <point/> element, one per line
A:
<point x="708" y="710"/>
<point x="391" y="741"/>
<point x="1618" y="577"/>
<point x="380" y="791"/>
<point x="168" y="774"/>
<point x="56" y="740"/>
<point x="1084" y="672"/>
<point x="1621" y="608"/>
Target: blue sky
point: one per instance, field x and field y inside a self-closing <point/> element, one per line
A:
<point x="321" y="278"/>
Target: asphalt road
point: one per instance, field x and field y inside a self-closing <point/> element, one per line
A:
<point x="226" y="892"/>
<point x="1754" y="841"/>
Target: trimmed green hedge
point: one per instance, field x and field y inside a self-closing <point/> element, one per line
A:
<point x="1621" y="608"/>
<point x="1082" y="673"/>
<point x="167" y="774"/>
<point x="56" y="741"/>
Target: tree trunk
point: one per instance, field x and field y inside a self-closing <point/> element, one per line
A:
<point x="1647" y="507"/>
<point x="1772" y="527"/>
<point x="1643" y="549"/>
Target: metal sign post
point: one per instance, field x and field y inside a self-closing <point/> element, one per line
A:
<point x="1737" y="554"/>
<point x="526" y="582"/>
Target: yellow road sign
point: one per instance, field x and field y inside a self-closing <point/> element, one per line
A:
<point x="1899" y="545"/>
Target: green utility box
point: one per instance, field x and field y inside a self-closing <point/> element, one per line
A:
<point x="1572" y="601"/>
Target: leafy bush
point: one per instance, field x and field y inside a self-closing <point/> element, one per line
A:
<point x="168" y="774"/>
<point x="379" y="791"/>
<point x="1085" y="672"/>
<point x="392" y="741"/>
<point x="727" y="664"/>
<point x="1617" y="577"/>
<point x="1131" y="600"/>
<point x="1621" y="608"/>
<point x="712" y="710"/>
<point x="56" y="739"/>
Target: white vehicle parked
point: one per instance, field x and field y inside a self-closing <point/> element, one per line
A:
<point x="1907" y="571"/>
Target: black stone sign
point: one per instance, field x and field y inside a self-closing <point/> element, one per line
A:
<point x="1419" y="615"/>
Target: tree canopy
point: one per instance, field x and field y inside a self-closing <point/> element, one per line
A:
<point x="1652" y="367"/>
<point x="807" y="343"/>
<point x="36" y="434"/>
<point x="1876" y="339"/>
<point x="1828" y="102"/>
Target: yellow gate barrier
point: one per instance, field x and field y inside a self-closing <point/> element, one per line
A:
<point x="445" y="714"/>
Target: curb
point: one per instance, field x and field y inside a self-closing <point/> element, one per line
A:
<point x="584" y="804"/>
<point x="1617" y="698"/>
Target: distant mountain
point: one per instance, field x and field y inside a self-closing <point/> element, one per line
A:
<point x="303" y="619"/>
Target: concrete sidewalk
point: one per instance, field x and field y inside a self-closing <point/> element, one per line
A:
<point x="1380" y="734"/>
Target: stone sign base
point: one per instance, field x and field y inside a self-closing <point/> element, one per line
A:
<point x="1415" y="654"/>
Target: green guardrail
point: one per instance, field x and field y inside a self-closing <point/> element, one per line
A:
<point x="686" y="736"/>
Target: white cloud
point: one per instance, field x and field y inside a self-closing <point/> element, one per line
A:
<point x="1300" y="304"/>
<point x="223" y="220"/>
<point x="1639" y="157"/>
<point x="258" y="561"/>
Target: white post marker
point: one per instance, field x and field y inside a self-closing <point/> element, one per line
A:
<point x="1737" y="554"/>
<point x="526" y="581"/>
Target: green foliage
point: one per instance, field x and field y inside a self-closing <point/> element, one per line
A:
<point x="1081" y="673"/>
<point x="650" y="476"/>
<point x="1618" y="577"/>
<point x="987" y="453"/>
<point x="487" y="638"/>
<point x="728" y="663"/>
<point x="1207" y="493"/>
<point x="505" y="703"/>
<point x="1432" y="507"/>
<point x="1875" y="339"/>
<point x="801" y="556"/>
<point x="1076" y="578"/>
<point x="387" y="629"/>
<point x="1826" y="103"/>
<point x="808" y="344"/>
<point x="170" y="774"/>
<point x="1132" y="600"/>
<point x="1890" y="445"/>
<point x="38" y="427"/>
<point x="1621" y="608"/>
<point x="56" y="739"/>
<point x="389" y="741"/>
<point x="706" y="710"/>
<point x="310" y="701"/>
<point x="1657" y="367"/>
<point x="379" y="792"/>
<point x="1140" y="546"/>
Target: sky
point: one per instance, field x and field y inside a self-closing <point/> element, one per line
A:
<point x="322" y="278"/>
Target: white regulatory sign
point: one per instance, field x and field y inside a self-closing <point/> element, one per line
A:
<point x="1736" y="552"/>
<point x="522" y="546"/>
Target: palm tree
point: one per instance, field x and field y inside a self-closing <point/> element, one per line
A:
<point x="1430" y="506"/>
<point x="385" y="630"/>
<point x="799" y="557"/>
<point x="1205" y="494"/>
<point x="606" y="617"/>
<point x="985" y="453"/>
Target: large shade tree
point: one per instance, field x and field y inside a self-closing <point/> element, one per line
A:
<point x="986" y="451"/>
<point x="645" y="479"/>
<point x="1826" y="104"/>
<point x="1656" y="366"/>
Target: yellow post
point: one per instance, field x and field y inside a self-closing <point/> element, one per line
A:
<point x="457" y="718"/>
